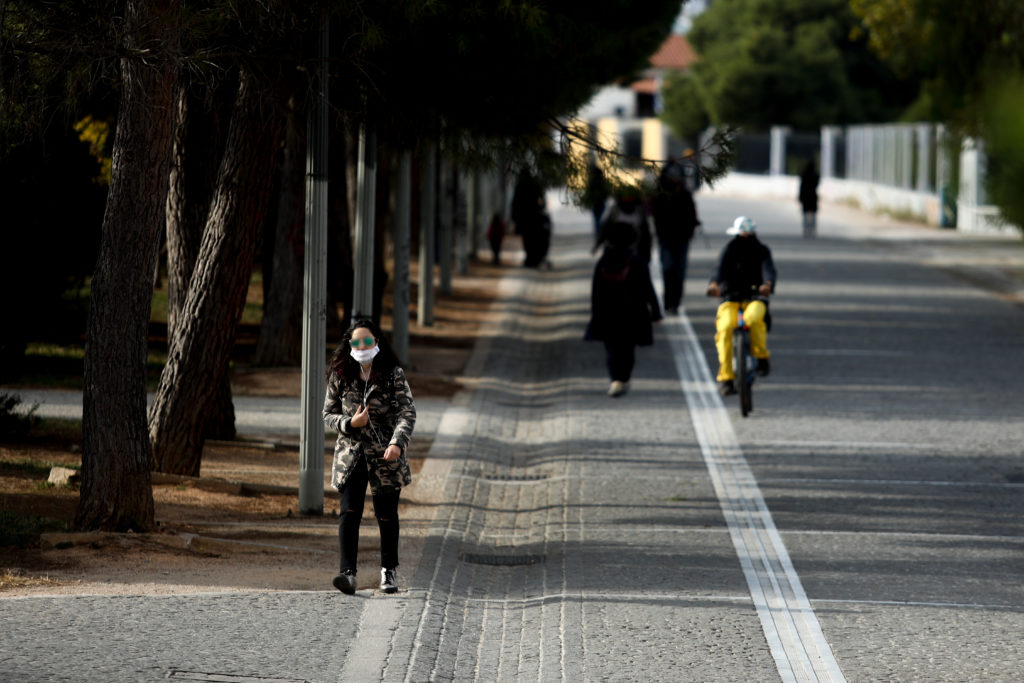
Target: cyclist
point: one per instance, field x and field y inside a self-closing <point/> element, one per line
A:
<point x="744" y="276"/>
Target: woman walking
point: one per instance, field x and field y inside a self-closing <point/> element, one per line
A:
<point x="623" y="305"/>
<point x="370" y="405"/>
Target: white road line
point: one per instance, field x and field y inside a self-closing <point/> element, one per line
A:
<point x="885" y="445"/>
<point x="798" y="646"/>
<point x="895" y="482"/>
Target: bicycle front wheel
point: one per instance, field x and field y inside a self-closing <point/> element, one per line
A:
<point x="742" y="362"/>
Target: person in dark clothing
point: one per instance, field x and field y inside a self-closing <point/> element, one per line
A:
<point x="809" y="198"/>
<point x="628" y="208"/>
<point x="596" y="195"/>
<point x="623" y="305"/>
<point x="530" y="216"/>
<point x="495" y="235"/>
<point x="675" y="219"/>
<point x="744" y="277"/>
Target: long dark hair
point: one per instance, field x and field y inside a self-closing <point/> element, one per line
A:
<point x="345" y="366"/>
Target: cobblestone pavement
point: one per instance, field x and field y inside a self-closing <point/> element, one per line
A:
<point x="581" y="537"/>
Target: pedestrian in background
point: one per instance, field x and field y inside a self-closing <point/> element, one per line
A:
<point x="675" y="220"/>
<point x="596" y="194"/>
<point x="623" y="305"/>
<point x="809" y="198"/>
<point x="495" y="235"/>
<point x="629" y="207"/>
<point x="529" y="213"/>
<point x="370" y="405"/>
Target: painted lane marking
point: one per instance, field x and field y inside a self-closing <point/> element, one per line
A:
<point x="794" y="635"/>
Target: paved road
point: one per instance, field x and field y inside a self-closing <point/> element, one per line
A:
<point x="863" y="524"/>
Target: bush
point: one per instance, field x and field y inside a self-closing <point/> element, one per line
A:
<point x="24" y="532"/>
<point x="12" y="422"/>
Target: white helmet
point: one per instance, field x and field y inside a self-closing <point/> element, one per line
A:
<point x="741" y="225"/>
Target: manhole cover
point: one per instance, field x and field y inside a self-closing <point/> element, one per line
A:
<point x="211" y="677"/>
<point x="502" y="560"/>
<point x="515" y="477"/>
<point x="524" y="404"/>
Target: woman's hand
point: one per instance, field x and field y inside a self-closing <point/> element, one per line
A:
<point x="361" y="417"/>
<point x="392" y="452"/>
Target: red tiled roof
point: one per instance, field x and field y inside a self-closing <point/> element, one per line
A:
<point x="647" y="86"/>
<point x="675" y="53"/>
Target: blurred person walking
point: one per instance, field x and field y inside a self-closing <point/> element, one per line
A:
<point x="529" y="213"/>
<point x="675" y="220"/>
<point x="495" y="236"/>
<point x="809" y="198"/>
<point x="370" y="405"/>
<point x="596" y="194"/>
<point x="623" y="305"/>
<point x="629" y="208"/>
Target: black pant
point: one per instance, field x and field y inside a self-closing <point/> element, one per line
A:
<point x="620" y="357"/>
<point x="385" y="508"/>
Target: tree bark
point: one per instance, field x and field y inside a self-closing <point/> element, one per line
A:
<point x="201" y="114"/>
<point x="116" y="491"/>
<point x="280" y="341"/>
<point x="198" y="356"/>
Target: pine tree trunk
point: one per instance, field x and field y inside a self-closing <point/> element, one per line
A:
<point x="198" y="356"/>
<point x="199" y="132"/>
<point x="116" y="491"/>
<point x="280" y="341"/>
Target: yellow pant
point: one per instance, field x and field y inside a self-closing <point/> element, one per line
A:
<point x="725" y="323"/>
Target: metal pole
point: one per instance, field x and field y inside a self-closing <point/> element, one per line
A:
<point x="314" y="297"/>
<point x="464" y="208"/>
<point x="428" y="197"/>
<point x="446" y="229"/>
<point x="403" y="209"/>
<point x="366" y="202"/>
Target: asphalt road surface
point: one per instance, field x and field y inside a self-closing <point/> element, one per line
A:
<point x="863" y="524"/>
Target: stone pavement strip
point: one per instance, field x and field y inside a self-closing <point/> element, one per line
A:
<point x="582" y="539"/>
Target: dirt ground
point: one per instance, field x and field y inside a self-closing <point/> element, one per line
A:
<point x="236" y="527"/>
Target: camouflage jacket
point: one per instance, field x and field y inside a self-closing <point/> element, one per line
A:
<point x="392" y="417"/>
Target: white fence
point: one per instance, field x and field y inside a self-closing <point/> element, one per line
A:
<point x="901" y="169"/>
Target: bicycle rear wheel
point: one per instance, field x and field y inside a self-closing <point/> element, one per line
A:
<point x="742" y="361"/>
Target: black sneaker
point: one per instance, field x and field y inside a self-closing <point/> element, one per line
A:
<point x="726" y="388"/>
<point x="388" y="581"/>
<point x="345" y="582"/>
<point x="763" y="367"/>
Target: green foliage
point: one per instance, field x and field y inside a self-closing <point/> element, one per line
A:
<point x="48" y="239"/>
<point x="684" y="112"/>
<point x="781" y="62"/>
<point x="23" y="532"/>
<point x="1003" y="128"/>
<point x="13" y="423"/>
<point x="496" y="69"/>
<point x="970" y="61"/>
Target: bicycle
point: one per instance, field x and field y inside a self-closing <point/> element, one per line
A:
<point x="744" y="364"/>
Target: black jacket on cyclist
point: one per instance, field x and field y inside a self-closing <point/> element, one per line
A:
<point x="744" y="265"/>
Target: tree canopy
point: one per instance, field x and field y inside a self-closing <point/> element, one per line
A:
<point x="781" y="62"/>
<point x="969" y="59"/>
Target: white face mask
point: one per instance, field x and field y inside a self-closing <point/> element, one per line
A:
<point x="364" y="356"/>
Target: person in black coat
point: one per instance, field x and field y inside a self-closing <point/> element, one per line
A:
<point x="809" y="198"/>
<point x="675" y="219"/>
<point x="623" y="305"/>
<point x="529" y="214"/>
